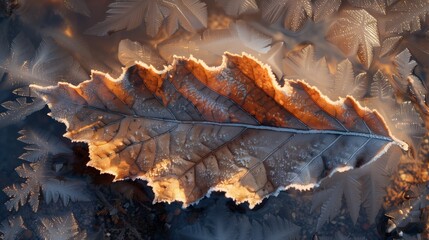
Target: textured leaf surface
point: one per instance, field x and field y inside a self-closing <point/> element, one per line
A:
<point x="355" y="32"/>
<point x="192" y="129"/>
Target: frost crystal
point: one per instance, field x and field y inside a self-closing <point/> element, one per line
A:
<point x="355" y="32"/>
<point x="39" y="180"/>
<point x="60" y="228"/>
<point x="12" y="227"/>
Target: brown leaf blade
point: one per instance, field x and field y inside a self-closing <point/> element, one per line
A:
<point x="192" y="129"/>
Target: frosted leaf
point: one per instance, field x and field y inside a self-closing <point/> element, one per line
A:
<point x="405" y="16"/>
<point x="18" y="110"/>
<point x="238" y="7"/>
<point x="40" y="145"/>
<point x="130" y="52"/>
<point x="330" y="198"/>
<point x="11" y="228"/>
<point x="376" y="6"/>
<point x="60" y="228"/>
<point x="189" y="14"/>
<point x="295" y="12"/>
<point x="128" y="15"/>
<point x="389" y="45"/>
<point x="355" y="32"/>
<point x="324" y="9"/>
<point x="192" y="128"/>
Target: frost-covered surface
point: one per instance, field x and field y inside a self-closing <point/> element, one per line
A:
<point x="221" y="223"/>
<point x="12" y="227"/>
<point x="61" y="228"/>
<point x="44" y="42"/>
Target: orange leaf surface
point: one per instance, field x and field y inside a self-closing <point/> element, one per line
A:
<point x="191" y="129"/>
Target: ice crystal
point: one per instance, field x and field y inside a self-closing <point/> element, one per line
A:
<point x="60" y="228"/>
<point x="355" y="32"/>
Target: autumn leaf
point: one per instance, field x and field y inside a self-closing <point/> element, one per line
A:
<point x="192" y="129"/>
<point x="355" y="32"/>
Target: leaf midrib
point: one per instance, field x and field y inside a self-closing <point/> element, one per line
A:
<point x="250" y="126"/>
